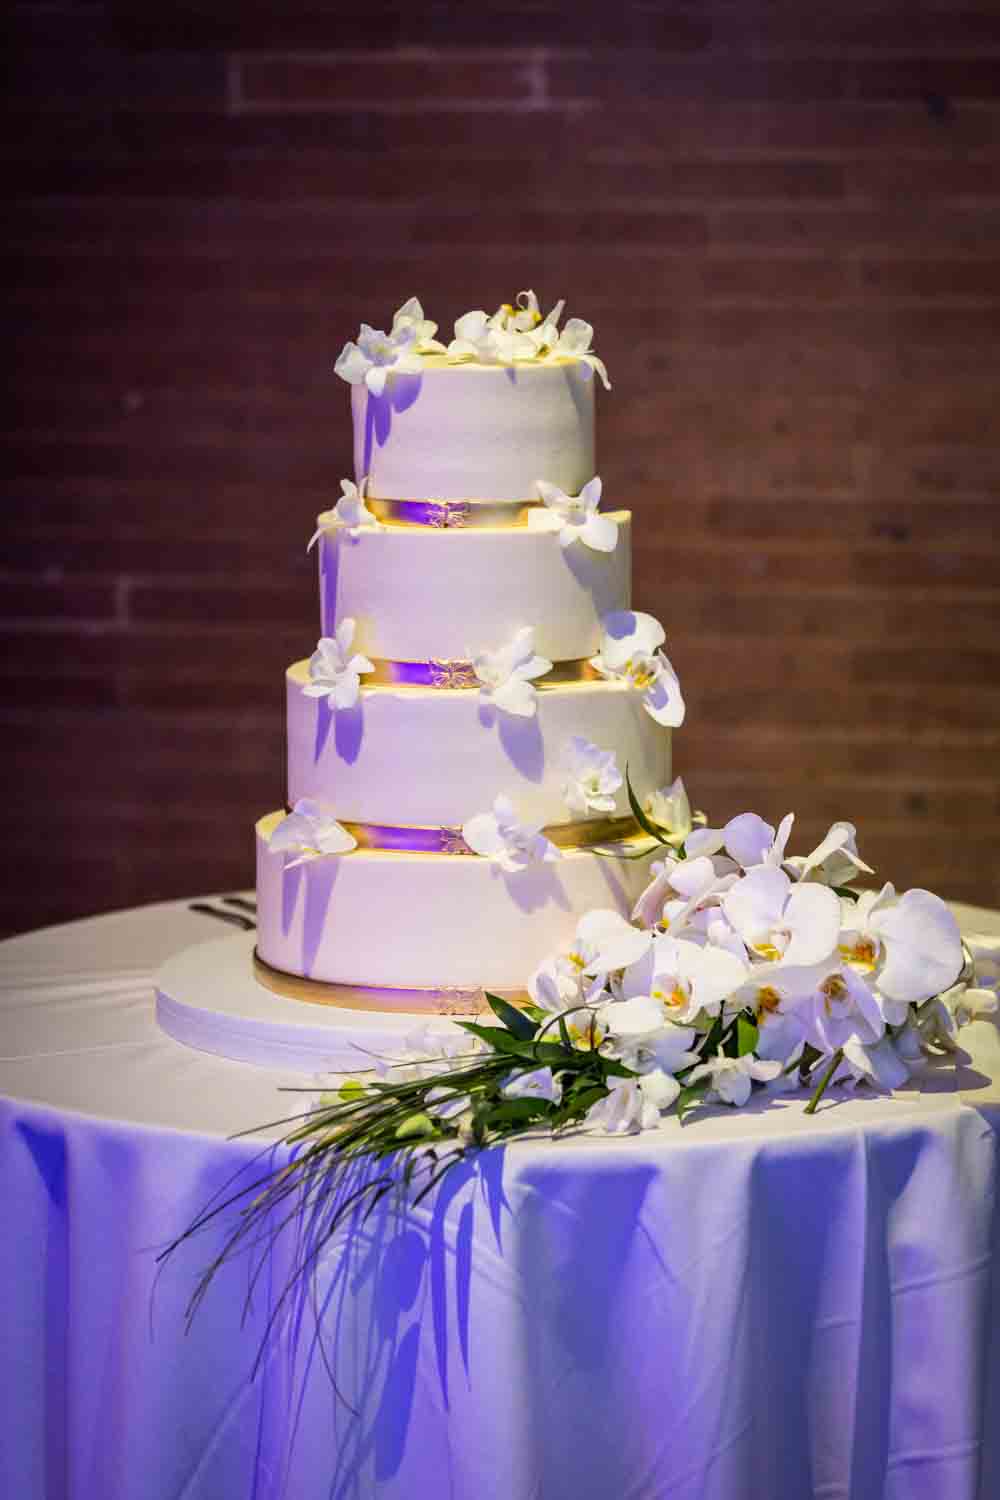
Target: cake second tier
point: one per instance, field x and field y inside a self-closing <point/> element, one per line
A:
<point x="418" y="592"/>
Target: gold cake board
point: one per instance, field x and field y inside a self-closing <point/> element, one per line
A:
<point x="446" y="1000"/>
<point x="219" y="997"/>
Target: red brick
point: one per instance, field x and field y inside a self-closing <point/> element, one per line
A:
<point x="918" y="77"/>
<point x="773" y="279"/>
<point x="40" y="598"/>
<point x="614" y="75"/>
<point x="976" y="280"/>
<point x="339" y="82"/>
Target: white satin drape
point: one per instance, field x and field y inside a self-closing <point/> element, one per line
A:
<point x="756" y="1307"/>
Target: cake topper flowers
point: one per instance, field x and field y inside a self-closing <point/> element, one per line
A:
<point x="519" y="333"/>
<point x="516" y="333"/>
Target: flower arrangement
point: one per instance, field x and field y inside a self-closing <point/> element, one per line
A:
<point x="744" y="969"/>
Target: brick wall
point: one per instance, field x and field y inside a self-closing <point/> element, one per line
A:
<point x="784" y="222"/>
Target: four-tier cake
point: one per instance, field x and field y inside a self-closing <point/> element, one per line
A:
<point x="459" y="741"/>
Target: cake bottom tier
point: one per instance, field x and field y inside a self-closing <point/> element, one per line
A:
<point x="427" y="921"/>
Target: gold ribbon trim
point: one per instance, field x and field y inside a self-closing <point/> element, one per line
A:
<point x="445" y="1000"/>
<point x="407" y="838"/>
<point x="443" y="672"/>
<point x="452" y="515"/>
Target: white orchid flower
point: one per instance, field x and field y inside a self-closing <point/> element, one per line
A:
<point x="574" y="517"/>
<point x="679" y="977"/>
<point x="878" y="1063"/>
<point x="670" y="809"/>
<point x="630" y="653"/>
<point x="350" y="512"/>
<point x="731" y="1077"/>
<point x="798" y="924"/>
<point x="592" y="777"/>
<point x="505" y="675"/>
<point x="490" y="340"/>
<point x="648" y="910"/>
<point x="410" y="318"/>
<point x="911" y="945"/>
<point x="751" y="842"/>
<point x="555" y="985"/>
<point x="376" y="355"/>
<point x="843" y="1005"/>
<point x="574" y="342"/>
<point x="628" y="1107"/>
<point x="834" y="861"/>
<point x="312" y="832"/>
<point x="603" y="943"/>
<point x="423" y="1050"/>
<point x="334" y="674"/>
<point x="498" y="836"/>
<point x="539" y="1084"/>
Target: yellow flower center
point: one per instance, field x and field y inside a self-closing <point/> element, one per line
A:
<point x="768" y="1001"/>
<point x="639" y="674"/>
<point x="673" y="999"/>
<point x="864" y="952"/>
<point x="586" y="1036"/>
<point x="832" y="989"/>
<point x="577" y="960"/>
<point x="768" y="951"/>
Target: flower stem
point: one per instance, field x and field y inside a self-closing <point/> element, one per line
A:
<point x="835" y="1062"/>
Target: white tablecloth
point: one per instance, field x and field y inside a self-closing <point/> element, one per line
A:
<point x="755" y="1306"/>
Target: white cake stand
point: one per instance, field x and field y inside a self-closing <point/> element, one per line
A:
<point x="209" y="998"/>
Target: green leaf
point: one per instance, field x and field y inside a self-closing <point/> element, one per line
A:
<point x="499" y="1039"/>
<point x="576" y="1104"/>
<point x="746" y="1036"/>
<point x="515" y="1021"/>
<point x="689" y="1095"/>
<point x="641" y="817"/>
<point x="415" y="1126"/>
<point x="512" y="1111"/>
<point x="350" y="1089"/>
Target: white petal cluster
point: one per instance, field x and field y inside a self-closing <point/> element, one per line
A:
<point x="574" y="517"/>
<point x="498" y="836"/>
<point x="310" y="832"/>
<point x="505" y="676"/>
<point x="350" y="512"/>
<point x="334" y="673"/>
<point x="592" y="777"/>
<point x="630" y="652"/>
<point x="517" y="333"/>
<point x="376" y="355"/>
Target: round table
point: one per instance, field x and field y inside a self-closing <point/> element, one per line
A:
<point x="754" y="1306"/>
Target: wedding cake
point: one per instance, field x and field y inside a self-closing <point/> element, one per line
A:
<point x="484" y="711"/>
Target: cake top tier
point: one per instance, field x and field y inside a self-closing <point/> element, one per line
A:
<point x="509" y="402"/>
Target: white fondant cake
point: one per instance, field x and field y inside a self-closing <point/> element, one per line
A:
<point x="478" y="670"/>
